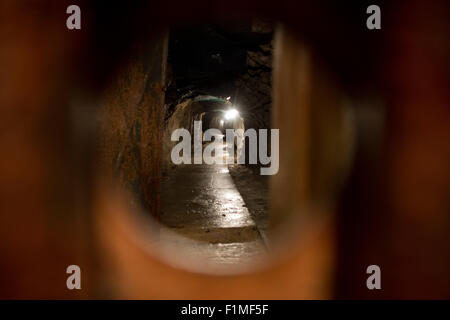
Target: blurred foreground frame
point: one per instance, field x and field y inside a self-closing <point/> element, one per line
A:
<point x="393" y="210"/>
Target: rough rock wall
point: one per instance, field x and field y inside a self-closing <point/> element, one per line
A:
<point x="131" y="121"/>
<point x="254" y="87"/>
<point x="184" y="116"/>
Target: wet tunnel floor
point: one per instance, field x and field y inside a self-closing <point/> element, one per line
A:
<point x="204" y="215"/>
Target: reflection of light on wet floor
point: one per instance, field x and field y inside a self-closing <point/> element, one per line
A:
<point x="232" y="196"/>
<point x="206" y="217"/>
<point x="235" y="216"/>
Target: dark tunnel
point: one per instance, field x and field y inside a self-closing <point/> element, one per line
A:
<point x="220" y="76"/>
<point x="224" y="150"/>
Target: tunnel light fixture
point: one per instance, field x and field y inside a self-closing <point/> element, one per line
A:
<point x="228" y="98"/>
<point x="231" y="114"/>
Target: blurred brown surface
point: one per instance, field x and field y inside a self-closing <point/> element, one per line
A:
<point x="394" y="210"/>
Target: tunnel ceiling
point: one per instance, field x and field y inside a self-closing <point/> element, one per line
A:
<point x="213" y="60"/>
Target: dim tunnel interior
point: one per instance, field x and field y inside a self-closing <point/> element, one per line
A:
<point x="218" y="76"/>
<point x="364" y="128"/>
<point x="214" y="69"/>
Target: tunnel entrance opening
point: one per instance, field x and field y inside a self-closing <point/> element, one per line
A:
<point x="215" y="217"/>
<point x="220" y="76"/>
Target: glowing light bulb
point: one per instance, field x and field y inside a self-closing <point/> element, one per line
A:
<point x="231" y="114"/>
